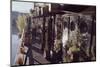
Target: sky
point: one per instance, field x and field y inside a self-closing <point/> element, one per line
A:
<point x="23" y="7"/>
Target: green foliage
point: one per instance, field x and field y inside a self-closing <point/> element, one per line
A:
<point x="57" y="45"/>
<point x="72" y="46"/>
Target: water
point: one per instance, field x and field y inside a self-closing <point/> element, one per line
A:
<point x="14" y="47"/>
